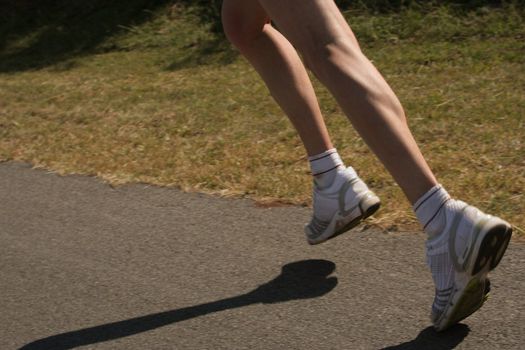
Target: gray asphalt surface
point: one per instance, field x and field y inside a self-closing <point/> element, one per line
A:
<point x="85" y="265"/>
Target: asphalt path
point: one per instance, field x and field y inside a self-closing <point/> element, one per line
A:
<point x="85" y="265"/>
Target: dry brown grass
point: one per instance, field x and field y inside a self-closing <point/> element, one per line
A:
<point x="124" y="117"/>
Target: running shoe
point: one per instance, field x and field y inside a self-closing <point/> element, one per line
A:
<point x="474" y="243"/>
<point x="340" y="207"/>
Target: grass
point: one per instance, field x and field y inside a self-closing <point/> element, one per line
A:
<point x="165" y="101"/>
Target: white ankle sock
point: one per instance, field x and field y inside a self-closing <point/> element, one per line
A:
<point x="324" y="167"/>
<point x="430" y="210"/>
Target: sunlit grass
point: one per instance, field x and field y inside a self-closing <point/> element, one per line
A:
<point x="167" y="103"/>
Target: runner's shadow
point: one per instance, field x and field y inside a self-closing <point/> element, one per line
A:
<point x="429" y="339"/>
<point x="298" y="280"/>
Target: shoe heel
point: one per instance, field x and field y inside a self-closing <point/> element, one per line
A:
<point x="504" y="243"/>
<point x="369" y="205"/>
<point x="492" y="247"/>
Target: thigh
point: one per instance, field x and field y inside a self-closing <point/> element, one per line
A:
<point x="244" y="18"/>
<point x="309" y="23"/>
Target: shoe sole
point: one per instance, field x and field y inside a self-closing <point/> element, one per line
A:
<point x="490" y="250"/>
<point x="371" y="207"/>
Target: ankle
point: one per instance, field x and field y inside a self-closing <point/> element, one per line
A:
<point x="325" y="167"/>
<point x="430" y="210"/>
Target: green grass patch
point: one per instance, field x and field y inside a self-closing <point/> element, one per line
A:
<point x="163" y="100"/>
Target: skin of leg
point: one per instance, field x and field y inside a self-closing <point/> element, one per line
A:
<point x="330" y="50"/>
<point x="248" y="28"/>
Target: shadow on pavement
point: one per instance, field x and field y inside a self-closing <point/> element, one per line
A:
<point x="298" y="280"/>
<point x="429" y="339"/>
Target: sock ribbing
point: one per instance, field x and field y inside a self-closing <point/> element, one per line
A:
<point x="324" y="162"/>
<point x="324" y="167"/>
<point x="430" y="212"/>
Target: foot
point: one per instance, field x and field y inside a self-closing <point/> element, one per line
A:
<point x="340" y="207"/>
<point x="471" y="244"/>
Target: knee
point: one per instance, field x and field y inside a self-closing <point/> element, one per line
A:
<point x="239" y="28"/>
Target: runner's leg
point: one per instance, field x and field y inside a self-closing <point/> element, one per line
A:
<point x="340" y="199"/>
<point x="247" y="26"/>
<point x="324" y="39"/>
<point x="464" y="243"/>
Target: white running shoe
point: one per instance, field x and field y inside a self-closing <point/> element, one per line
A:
<point x="340" y="207"/>
<point x="471" y="245"/>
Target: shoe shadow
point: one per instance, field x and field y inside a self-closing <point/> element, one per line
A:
<point x="298" y="280"/>
<point x="429" y="339"/>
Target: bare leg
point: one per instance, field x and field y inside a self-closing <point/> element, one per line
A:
<point x="318" y="30"/>
<point x="247" y="26"/>
<point x="330" y="50"/>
